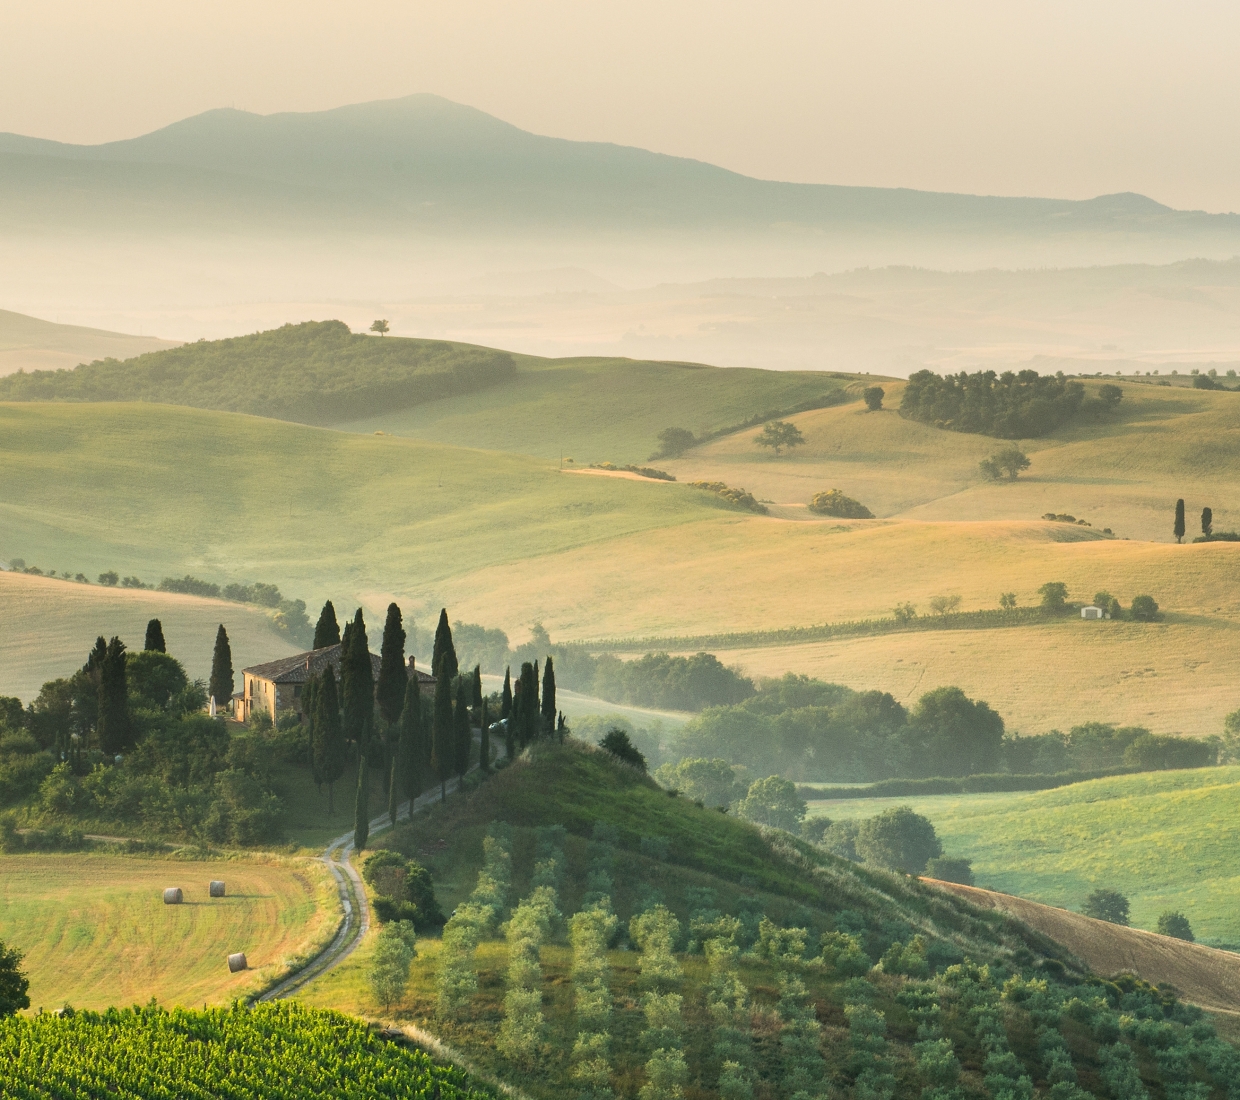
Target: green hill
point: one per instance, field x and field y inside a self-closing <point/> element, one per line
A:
<point x="316" y="372"/>
<point x="1165" y="840"/>
<point x="582" y="824"/>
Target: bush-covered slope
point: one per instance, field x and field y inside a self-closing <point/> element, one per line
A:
<point x="316" y="372"/>
<point x="767" y="986"/>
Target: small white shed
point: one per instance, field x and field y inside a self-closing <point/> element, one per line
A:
<point x="1091" y="612"/>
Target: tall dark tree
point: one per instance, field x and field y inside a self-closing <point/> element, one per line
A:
<point x="326" y="630"/>
<point x="477" y="702"/>
<point x="308" y="694"/>
<point x="357" y="685"/>
<point x="411" y="752"/>
<point x="443" y="659"/>
<point x="484" y="744"/>
<point x="1207" y="522"/>
<point x="115" y="727"/>
<point x="220" y="686"/>
<point x="463" y="729"/>
<point x="361" y="808"/>
<point x="505" y="700"/>
<point x="330" y="751"/>
<point x="94" y="659"/>
<point x="442" y="756"/>
<point x="393" y="676"/>
<point x="525" y="705"/>
<point x="155" y="637"/>
<point x="548" y="698"/>
<point x="1179" y="521"/>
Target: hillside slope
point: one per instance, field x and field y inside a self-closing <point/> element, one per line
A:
<point x="28" y="343"/>
<point x="1202" y="975"/>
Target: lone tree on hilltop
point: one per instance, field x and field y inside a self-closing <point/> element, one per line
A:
<point x="1207" y="522"/>
<point x="778" y="434"/>
<point x="381" y="327"/>
<point x="1179" y="521"/>
<point x="873" y="396"/>
<point x="673" y="442"/>
<point x="1005" y="463"/>
<point x="155" y="637"/>
<point x="1174" y="923"/>
<point x="1107" y="905"/>
<point x="14" y="985"/>
<point x="328" y="743"/>
<point x="326" y="630"/>
<point x="443" y="656"/>
<point x="220" y="686"/>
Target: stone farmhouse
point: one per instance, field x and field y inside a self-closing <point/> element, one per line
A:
<point x="278" y="685"/>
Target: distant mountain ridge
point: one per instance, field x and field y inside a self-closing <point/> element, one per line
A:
<point x="425" y="163"/>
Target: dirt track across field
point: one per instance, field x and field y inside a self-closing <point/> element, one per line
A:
<point x="1204" y="976"/>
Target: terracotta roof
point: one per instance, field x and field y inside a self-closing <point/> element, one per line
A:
<point x="301" y="666"/>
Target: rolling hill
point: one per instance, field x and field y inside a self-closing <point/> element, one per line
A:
<point x="27" y="343"/>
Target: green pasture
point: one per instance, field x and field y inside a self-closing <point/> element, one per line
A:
<point x="1166" y="840"/>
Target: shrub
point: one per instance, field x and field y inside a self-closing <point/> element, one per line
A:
<point x="738" y="498"/>
<point x="1107" y="905"/>
<point x="946" y="869"/>
<point x="617" y="743"/>
<point x="873" y="397"/>
<point x="833" y="502"/>
<point x="405" y="890"/>
<point x="1173" y="923"/>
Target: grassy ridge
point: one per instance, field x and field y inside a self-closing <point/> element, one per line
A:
<point x="95" y="932"/>
<point x="1167" y="840"/>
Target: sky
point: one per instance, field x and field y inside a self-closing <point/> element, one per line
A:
<point x="1053" y="98"/>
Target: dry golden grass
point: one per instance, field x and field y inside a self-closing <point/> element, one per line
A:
<point x="95" y="931"/>
<point x="51" y="625"/>
<point x="1204" y="975"/>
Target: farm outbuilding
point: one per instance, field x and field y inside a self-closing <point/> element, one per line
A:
<point x="1093" y="613"/>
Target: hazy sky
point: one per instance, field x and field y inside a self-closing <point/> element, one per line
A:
<point x="1067" y="99"/>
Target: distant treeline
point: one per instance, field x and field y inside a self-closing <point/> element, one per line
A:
<point x="1022" y="405"/>
<point x="313" y="373"/>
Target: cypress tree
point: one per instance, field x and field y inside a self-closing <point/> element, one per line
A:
<point x="411" y="751"/>
<point x="505" y="700"/>
<point x="155" y="637"/>
<point x="221" y="683"/>
<point x="115" y="729"/>
<point x="1179" y="521"/>
<point x="328" y="744"/>
<point x="463" y="741"/>
<point x="326" y="630"/>
<point x="477" y="686"/>
<point x="393" y="676"/>
<point x="443" y="659"/>
<point x="525" y="705"/>
<point x="1207" y="521"/>
<point x="548" y="698"/>
<point x="484" y="746"/>
<point x="361" y="808"/>
<point x="357" y="685"/>
<point x="307" y="713"/>
<point x="441" y="735"/>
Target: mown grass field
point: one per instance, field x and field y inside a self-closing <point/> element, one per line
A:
<point x="95" y="932"/>
<point x="1166" y="840"/>
<point x="53" y="624"/>
<point x="601" y="409"/>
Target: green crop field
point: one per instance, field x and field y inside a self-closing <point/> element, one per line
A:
<point x="1166" y="840"/>
<point x="95" y="932"/>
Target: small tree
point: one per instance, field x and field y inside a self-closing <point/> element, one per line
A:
<point x="616" y="742"/>
<point x="381" y="327"/>
<point x="1179" y="521"/>
<point x="1054" y="596"/>
<point x="1110" y="395"/>
<point x="220" y="686"/>
<point x="328" y="745"/>
<point x="773" y="801"/>
<point x="1007" y="601"/>
<point x="873" y="396"/>
<point x="155" y="637"/>
<point x="1144" y="609"/>
<point x="1175" y="924"/>
<point x="778" y="434"/>
<point x="899" y="840"/>
<point x="14" y="985"/>
<point x="673" y="442"/>
<point x="327" y="629"/>
<point x="1005" y="463"/>
<point x="1207" y="522"/>
<point x="1107" y="905"/>
<point x="944" y="605"/>
<point x="395" y="950"/>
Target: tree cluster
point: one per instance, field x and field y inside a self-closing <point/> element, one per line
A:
<point x="1020" y="405"/>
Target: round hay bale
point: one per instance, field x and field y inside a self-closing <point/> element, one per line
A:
<point x="173" y="896"/>
<point x="217" y="889"/>
<point x="237" y="962"/>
